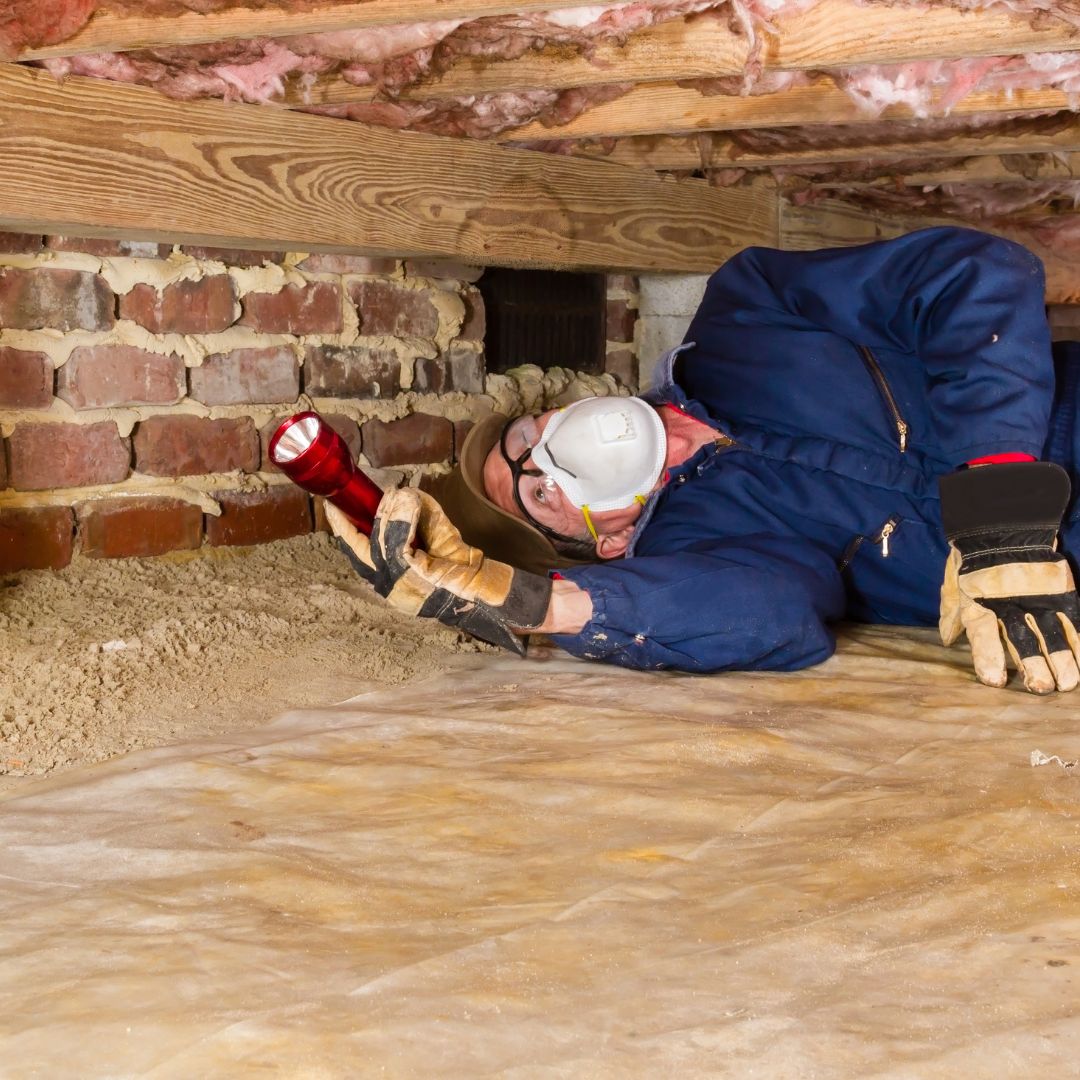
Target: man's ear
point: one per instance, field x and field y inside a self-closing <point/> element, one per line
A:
<point x="614" y="545"/>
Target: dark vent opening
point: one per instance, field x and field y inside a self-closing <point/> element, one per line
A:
<point x="544" y="317"/>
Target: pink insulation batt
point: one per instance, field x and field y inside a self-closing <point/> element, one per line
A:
<point x="390" y="58"/>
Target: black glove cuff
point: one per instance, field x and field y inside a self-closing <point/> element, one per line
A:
<point x="993" y="549"/>
<point x="1029" y="496"/>
<point x="526" y="605"/>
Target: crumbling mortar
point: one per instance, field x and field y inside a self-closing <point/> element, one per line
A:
<point x="631" y="298"/>
<point x="197" y="490"/>
<point x="127" y="416"/>
<point x="533" y="389"/>
<point x="191" y="348"/>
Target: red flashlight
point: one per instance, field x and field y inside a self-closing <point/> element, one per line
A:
<point x="312" y="454"/>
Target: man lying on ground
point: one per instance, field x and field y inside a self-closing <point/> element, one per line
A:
<point x="874" y="433"/>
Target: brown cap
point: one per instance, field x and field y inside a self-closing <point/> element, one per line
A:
<point x="485" y="525"/>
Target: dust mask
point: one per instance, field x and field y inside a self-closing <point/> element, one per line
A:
<point x="605" y="453"/>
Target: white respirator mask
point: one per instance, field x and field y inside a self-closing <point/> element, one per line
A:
<point x="605" y="453"/>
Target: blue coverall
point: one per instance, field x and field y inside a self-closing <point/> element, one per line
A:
<point x="849" y="381"/>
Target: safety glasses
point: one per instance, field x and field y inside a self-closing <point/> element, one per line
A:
<point x="532" y="487"/>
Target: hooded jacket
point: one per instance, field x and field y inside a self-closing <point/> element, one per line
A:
<point x="848" y="381"/>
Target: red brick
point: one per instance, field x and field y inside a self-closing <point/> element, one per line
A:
<point x="26" y="379"/>
<point x="461" y="433"/>
<point x="190" y="445"/>
<point x="44" y="456"/>
<point x="188" y="307"/>
<point x="13" y="243"/>
<point x="234" y="256"/>
<point x="297" y="309"/>
<point x="622" y="283"/>
<point x="459" y="368"/>
<point x="623" y="364"/>
<point x="109" y="249"/>
<point x="474" y="325"/>
<point x="346" y="264"/>
<point x="353" y="372"/>
<point x="415" y="440"/>
<point x="124" y="528"/>
<point x="59" y="299"/>
<point x="97" y="377"/>
<point x="36" y="539"/>
<point x="620" y="321"/>
<point x="385" y="308"/>
<point x="256" y="517"/>
<point x="247" y="376"/>
<point x="345" y="426"/>
<point x="442" y="269"/>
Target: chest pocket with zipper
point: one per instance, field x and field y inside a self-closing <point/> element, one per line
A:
<point x="899" y="423"/>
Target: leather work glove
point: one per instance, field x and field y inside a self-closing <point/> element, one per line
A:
<point x="1005" y="580"/>
<point x="417" y="559"/>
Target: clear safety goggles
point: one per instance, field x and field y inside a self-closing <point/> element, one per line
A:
<point x="534" y="491"/>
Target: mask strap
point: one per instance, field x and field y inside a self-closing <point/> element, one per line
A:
<point x="640" y="499"/>
<point x="588" y="523"/>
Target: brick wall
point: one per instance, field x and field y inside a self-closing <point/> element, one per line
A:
<point x="140" y="383"/>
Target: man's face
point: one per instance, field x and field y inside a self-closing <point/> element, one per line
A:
<point x="543" y="499"/>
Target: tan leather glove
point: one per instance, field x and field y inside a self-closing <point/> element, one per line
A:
<point x="1006" y="586"/>
<point x="417" y="559"/>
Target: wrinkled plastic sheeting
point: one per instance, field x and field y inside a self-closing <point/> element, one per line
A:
<point x="543" y="867"/>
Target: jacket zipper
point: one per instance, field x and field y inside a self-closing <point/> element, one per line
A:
<point x="882" y="538"/>
<point x="878" y="375"/>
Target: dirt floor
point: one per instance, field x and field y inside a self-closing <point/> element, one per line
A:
<point x="109" y="656"/>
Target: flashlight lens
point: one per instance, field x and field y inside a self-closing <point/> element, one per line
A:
<point x="296" y="439"/>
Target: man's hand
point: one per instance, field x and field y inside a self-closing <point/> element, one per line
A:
<point x="417" y="559"/>
<point x="1005" y="580"/>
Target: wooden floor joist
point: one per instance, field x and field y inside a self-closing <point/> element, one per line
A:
<point x="667" y="109"/>
<point x="833" y="34"/>
<point x="833" y="223"/>
<point x="1004" y="169"/>
<point x="121" y="33"/>
<point x="122" y="161"/>
<point x="682" y="154"/>
<point x="982" y="172"/>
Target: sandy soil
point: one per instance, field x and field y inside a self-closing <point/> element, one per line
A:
<point x="111" y="656"/>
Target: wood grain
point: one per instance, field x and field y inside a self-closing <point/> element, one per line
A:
<point x="835" y="33"/>
<point x="717" y="152"/>
<point x="667" y="109"/>
<point x="834" y="223"/>
<point x="99" y="159"/>
<point x="120" y="33"/>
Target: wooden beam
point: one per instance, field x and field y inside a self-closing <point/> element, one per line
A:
<point x="1006" y="169"/>
<point x="835" y="33"/>
<point x="678" y="49"/>
<point x="681" y="154"/>
<point x="93" y="158"/>
<point x="667" y="109"/>
<point x="106" y="32"/>
<point x="834" y="223"/>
